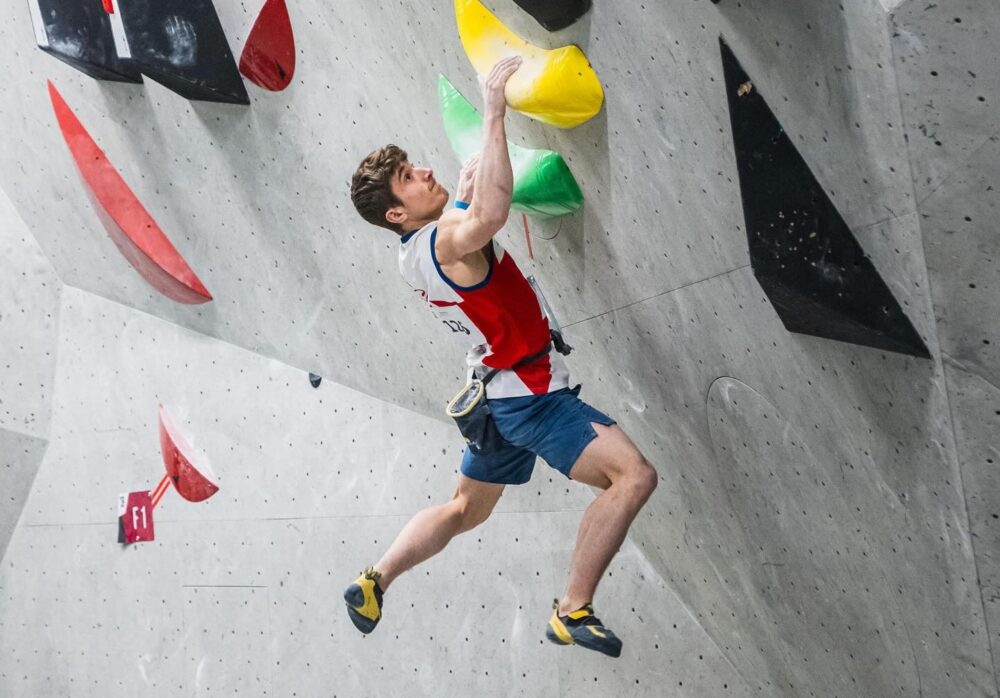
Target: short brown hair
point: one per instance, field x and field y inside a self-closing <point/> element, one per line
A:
<point x="371" y="190"/>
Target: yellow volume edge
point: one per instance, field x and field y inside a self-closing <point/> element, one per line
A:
<point x="557" y="86"/>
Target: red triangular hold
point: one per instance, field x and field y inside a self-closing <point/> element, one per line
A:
<point x="177" y="455"/>
<point x="131" y="227"/>
<point x="268" y="58"/>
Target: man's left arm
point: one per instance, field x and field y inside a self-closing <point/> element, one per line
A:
<point x="466" y="183"/>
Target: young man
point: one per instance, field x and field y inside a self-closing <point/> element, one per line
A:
<point x="476" y="289"/>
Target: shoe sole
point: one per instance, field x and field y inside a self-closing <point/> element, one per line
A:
<point x="355" y="596"/>
<point x="611" y="650"/>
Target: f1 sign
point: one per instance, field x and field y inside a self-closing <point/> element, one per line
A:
<point x="135" y="517"/>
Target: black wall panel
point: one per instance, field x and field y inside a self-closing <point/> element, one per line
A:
<point x="555" y="14"/>
<point x="181" y="44"/>
<point x="804" y="255"/>
<point x="79" y="33"/>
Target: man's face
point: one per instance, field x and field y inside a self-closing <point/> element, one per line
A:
<point x="422" y="197"/>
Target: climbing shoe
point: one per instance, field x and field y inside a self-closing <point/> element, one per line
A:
<point x="582" y="627"/>
<point x="364" y="601"/>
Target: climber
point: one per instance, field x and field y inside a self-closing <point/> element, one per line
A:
<point x="450" y="257"/>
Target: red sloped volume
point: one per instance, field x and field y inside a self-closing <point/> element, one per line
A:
<point x="190" y="483"/>
<point x="130" y="226"/>
<point x="268" y="58"/>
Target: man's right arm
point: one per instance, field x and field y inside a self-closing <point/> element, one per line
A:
<point x="463" y="232"/>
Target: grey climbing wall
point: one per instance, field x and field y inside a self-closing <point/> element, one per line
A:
<point x="240" y="594"/>
<point x="20" y="457"/>
<point x="948" y="52"/>
<point x="826" y="519"/>
<point x="28" y="326"/>
<point x="29" y="314"/>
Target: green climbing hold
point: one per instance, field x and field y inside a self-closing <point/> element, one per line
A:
<point x="543" y="185"/>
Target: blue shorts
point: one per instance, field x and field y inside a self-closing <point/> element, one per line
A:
<point x="555" y="426"/>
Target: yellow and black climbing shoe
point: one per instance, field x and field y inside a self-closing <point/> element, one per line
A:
<point x="582" y="627"/>
<point x="364" y="601"/>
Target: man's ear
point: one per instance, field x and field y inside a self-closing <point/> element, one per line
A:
<point x="396" y="215"/>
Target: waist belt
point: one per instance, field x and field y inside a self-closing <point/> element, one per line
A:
<point x="523" y="362"/>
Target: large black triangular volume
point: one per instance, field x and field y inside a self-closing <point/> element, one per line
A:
<point x="804" y="255"/>
<point x="555" y="14"/>
<point x="181" y="44"/>
<point x="79" y="33"/>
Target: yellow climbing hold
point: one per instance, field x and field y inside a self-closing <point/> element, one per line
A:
<point x="555" y="86"/>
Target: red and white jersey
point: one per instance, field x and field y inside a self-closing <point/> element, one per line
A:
<point x="500" y="319"/>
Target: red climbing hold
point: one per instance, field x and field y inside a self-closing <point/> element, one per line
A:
<point x="188" y="481"/>
<point x="268" y="58"/>
<point x="129" y="224"/>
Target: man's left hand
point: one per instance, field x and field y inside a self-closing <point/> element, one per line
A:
<point x="467" y="180"/>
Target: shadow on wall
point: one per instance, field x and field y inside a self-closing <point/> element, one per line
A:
<point x="577" y="33"/>
<point x="587" y="153"/>
<point x="527" y="27"/>
<point x="598" y="197"/>
<point x="783" y="499"/>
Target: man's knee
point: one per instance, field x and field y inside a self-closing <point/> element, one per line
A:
<point x="642" y="478"/>
<point x="648" y="478"/>
<point x="470" y="514"/>
<point x="474" y="517"/>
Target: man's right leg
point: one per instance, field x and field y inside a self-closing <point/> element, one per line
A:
<point x="612" y="463"/>
<point x="430" y="530"/>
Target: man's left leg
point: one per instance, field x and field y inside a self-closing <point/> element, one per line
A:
<point x="430" y="530"/>
<point x="425" y="535"/>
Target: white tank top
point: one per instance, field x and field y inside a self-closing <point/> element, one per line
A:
<point x="499" y="320"/>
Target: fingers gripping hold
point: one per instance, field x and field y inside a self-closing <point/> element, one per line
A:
<point x="493" y="85"/>
<point x="467" y="180"/>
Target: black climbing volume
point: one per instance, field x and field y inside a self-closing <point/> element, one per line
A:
<point x="79" y="33"/>
<point x="555" y="14"/>
<point x="804" y="255"/>
<point x="181" y="44"/>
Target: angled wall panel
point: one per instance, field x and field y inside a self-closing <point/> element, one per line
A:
<point x="816" y="275"/>
<point x="79" y="32"/>
<point x="976" y="408"/>
<point x="180" y="44"/>
<point x="20" y="456"/>
<point x="29" y="326"/>
<point x="946" y="60"/>
<point x="130" y="226"/>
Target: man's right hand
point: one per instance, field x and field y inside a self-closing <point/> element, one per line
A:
<point x="462" y="235"/>
<point x="494" y="101"/>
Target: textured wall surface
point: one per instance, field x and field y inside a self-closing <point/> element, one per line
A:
<point x="826" y="522"/>
<point x="256" y="199"/>
<point x="20" y="458"/>
<point x="28" y="327"/>
<point x="948" y="69"/>
<point x="29" y="313"/>
<point x="240" y="595"/>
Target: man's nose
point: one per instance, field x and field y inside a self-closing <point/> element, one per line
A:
<point x="427" y="173"/>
